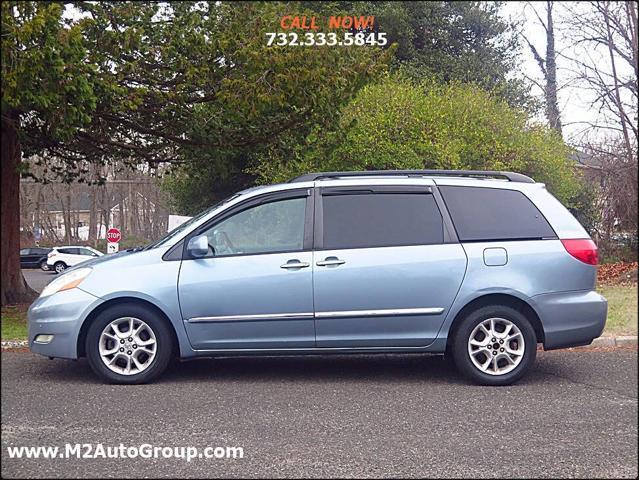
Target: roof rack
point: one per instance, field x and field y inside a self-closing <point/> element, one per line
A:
<point x="510" y="176"/>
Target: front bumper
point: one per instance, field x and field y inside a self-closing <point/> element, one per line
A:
<point x="60" y="315"/>
<point x="571" y="319"/>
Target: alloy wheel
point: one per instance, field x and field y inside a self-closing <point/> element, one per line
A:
<point x="496" y="346"/>
<point x="127" y="346"/>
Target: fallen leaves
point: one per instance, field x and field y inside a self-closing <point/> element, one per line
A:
<point x="618" y="273"/>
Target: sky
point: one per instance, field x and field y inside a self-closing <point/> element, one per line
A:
<point x="574" y="102"/>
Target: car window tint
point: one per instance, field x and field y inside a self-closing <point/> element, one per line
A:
<point x="270" y="227"/>
<point x="24" y="251"/>
<point x="381" y="219"/>
<point x="494" y="214"/>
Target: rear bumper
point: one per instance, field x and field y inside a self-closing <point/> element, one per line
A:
<point x="571" y="319"/>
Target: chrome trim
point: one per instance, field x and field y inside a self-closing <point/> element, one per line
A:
<point x="381" y="313"/>
<point x="324" y="263"/>
<point x="320" y="350"/>
<point x="261" y="316"/>
<point x="336" y="314"/>
<point x="296" y="265"/>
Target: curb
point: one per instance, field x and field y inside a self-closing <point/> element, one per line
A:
<point x="11" y="344"/>
<point x="620" y="341"/>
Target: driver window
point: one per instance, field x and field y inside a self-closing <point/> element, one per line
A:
<point x="267" y="228"/>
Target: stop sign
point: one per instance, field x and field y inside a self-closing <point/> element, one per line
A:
<point x="113" y="235"/>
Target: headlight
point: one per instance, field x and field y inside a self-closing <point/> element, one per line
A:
<point x="66" y="282"/>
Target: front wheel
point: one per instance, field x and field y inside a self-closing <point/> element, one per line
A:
<point x="60" y="267"/>
<point x="494" y="345"/>
<point x="128" y="344"/>
<point x="43" y="265"/>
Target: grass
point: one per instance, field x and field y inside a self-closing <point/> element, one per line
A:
<point x="622" y="309"/>
<point x="622" y="313"/>
<point x="14" y="322"/>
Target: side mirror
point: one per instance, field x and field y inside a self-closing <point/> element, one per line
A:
<point x="198" y="246"/>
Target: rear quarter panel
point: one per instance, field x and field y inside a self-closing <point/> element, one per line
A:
<point x="534" y="268"/>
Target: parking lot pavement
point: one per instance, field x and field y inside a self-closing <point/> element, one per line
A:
<point x="37" y="279"/>
<point x="575" y="415"/>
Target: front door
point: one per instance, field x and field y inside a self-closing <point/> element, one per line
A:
<point x="387" y="271"/>
<point x="255" y="289"/>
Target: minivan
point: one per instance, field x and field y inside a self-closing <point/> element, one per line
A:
<point x="478" y="266"/>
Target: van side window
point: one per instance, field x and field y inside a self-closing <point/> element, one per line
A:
<point x="267" y="228"/>
<point x="485" y="214"/>
<point x="381" y="220"/>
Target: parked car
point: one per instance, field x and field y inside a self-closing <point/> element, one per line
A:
<point x="34" y="257"/>
<point x="61" y="258"/>
<point x="479" y="266"/>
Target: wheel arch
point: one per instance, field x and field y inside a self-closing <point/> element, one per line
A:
<point x="498" y="299"/>
<point x="118" y="301"/>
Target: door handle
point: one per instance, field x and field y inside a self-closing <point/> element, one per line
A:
<point x="295" y="264"/>
<point x="330" y="261"/>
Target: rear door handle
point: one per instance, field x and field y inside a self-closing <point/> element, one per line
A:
<point x="330" y="261"/>
<point x="295" y="264"/>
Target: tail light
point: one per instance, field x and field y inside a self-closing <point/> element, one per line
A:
<point x="582" y="249"/>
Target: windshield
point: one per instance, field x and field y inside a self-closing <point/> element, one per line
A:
<point x="184" y="226"/>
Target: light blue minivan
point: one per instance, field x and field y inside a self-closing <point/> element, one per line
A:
<point x="481" y="266"/>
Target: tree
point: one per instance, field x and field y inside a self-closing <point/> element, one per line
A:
<point x="451" y="41"/>
<point x="184" y="82"/>
<point x="397" y="124"/>
<point x="605" y="65"/>
<point x="448" y="41"/>
<point x="44" y="83"/>
<point x="548" y="66"/>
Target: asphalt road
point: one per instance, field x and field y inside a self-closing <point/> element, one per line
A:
<point x="37" y="279"/>
<point x="575" y="415"/>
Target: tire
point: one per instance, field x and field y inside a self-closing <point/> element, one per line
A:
<point x="482" y="366"/>
<point x="43" y="265"/>
<point x="152" y="331"/>
<point x="59" y="267"/>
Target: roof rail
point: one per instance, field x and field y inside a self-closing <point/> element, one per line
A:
<point x="510" y="176"/>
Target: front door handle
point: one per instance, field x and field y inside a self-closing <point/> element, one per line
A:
<point x="295" y="264"/>
<point x="330" y="261"/>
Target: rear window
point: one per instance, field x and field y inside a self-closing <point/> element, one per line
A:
<point x="381" y="220"/>
<point x="494" y="214"/>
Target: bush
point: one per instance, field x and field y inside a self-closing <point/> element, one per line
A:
<point x="397" y="124"/>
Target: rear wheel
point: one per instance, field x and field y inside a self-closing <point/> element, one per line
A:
<point x="129" y="344"/>
<point x="43" y="265"/>
<point x="59" y="267"/>
<point x="494" y="345"/>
